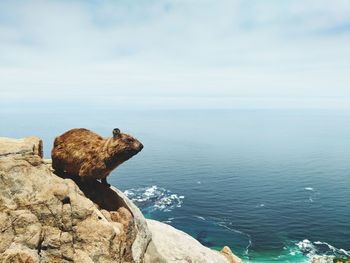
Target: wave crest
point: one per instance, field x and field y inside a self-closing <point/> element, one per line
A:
<point x="318" y="248"/>
<point x="154" y="198"/>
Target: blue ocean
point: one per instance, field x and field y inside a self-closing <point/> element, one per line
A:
<point x="273" y="184"/>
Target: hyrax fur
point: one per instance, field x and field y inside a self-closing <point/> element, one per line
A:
<point x="83" y="153"/>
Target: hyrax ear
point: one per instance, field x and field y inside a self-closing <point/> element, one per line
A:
<point x="116" y="133"/>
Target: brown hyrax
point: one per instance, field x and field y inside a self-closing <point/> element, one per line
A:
<point x="83" y="153"/>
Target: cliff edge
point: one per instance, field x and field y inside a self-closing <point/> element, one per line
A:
<point x="46" y="218"/>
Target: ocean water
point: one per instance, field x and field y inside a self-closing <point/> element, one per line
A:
<point x="274" y="185"/>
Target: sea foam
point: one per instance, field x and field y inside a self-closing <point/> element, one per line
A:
<point x="154" y="198"/>
<point x="319" y="249"/>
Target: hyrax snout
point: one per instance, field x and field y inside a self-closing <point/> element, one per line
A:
<point x="84" y="153"/>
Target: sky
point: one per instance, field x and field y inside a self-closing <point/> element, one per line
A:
<point x="179" y="52"/>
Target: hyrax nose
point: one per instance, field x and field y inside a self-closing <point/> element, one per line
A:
<point x="140" y="146"/>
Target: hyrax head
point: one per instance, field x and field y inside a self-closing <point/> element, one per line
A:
<point x="123" y="146"/>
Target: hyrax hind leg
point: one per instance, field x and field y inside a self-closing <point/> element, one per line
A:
<point x="87" y="180"/>
<point x="57" y="166"/>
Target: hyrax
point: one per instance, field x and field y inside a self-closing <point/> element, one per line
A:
<point x="84" y="153"/>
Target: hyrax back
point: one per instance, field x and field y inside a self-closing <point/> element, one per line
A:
<point x="84" y="153"/>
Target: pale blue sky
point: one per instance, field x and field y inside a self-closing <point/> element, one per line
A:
<point x="186" y="51"/>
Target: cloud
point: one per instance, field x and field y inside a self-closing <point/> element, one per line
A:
<point x="175" y="48"/>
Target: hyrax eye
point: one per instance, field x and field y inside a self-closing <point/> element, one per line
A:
<point x="129" y="140"/>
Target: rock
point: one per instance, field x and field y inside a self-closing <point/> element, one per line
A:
<point x="19" y="254"/>
<point x="143" y="235"/>
<point x="153" y="255"/>
<point x="45" y="218"/>
<point x="232" y="258"/>
<point x="172" y="245"/>
<point x="29" y="145"/>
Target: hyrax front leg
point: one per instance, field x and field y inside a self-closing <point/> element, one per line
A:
<point x="104" y="182"/>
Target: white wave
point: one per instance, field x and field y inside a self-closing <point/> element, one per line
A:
<point x="150" y="191"/>
<point x="307" y="247"/>
<point x="333" y="249"/>
<point x="154" y="198"/>
<point x="169" y="220"/>
<point x="312" y="194"/>
<point x="317" y="249"/>
<point x="260" y="205"/>
<point x="200" y="217"/>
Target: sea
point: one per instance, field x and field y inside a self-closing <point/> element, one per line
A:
<point x="272" y="184"/>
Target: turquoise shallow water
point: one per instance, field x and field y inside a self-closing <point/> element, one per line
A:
<point x="274" y="185"/>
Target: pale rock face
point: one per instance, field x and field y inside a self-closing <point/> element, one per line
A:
<point x="28" y="145"/>
<point x="232" y="258"/>
<point x="176" y="246"/>
<point x="45" y="218"/>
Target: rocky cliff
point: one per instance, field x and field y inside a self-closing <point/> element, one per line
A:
<point x="46" y="218"/>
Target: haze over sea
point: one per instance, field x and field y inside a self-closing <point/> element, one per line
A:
<point x="273" y="184"/>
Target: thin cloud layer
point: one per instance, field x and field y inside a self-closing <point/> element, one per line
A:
<point x="175" y="48"/>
